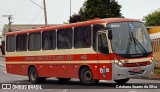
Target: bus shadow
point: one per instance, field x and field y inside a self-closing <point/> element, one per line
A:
<point x="76" y="85"/>
<point x="55" y="84"/>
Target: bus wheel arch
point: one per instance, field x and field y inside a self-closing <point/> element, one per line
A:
<point x="80" y="69"/>
<point x="30" y="68"/>
<point x="33" y="75"/>
<point x="86" y="75"/>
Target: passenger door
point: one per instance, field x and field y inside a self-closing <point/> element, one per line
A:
<point x="103" y="56"/>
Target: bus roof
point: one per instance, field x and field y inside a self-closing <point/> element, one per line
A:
<point x="85" y="23"/>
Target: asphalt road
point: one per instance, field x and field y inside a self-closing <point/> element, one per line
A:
<point x="53" y="85"/>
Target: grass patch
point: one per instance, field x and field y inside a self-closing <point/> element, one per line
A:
<point x="154" y="76"/>
<point x="156" y="73"/>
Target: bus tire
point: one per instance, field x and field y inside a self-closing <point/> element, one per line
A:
<point x="33" y="75"/>
<point x="64" y="79"/>
<point x="86" y="77"/>
<point x="122" y="81"/>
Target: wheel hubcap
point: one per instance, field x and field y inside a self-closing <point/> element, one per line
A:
<point x="33" y="75"/>
<point x="88" y="75"/>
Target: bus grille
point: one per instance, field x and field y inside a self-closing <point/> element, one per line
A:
<point x="137" y="64"/>
<point x="135" y="73"/>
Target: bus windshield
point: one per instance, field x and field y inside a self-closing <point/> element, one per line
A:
<point x="130" y="39"/>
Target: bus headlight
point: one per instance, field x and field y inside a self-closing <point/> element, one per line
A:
<point x="152" y="58"/>
<point x="118" y="62"/>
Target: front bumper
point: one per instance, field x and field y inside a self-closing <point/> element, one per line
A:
<point x="127" y="72"/>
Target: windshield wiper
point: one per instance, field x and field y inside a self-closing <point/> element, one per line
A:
<point x="139" y="44"/>
<point x="130" y="39"/>
<point x="136" y="42"/>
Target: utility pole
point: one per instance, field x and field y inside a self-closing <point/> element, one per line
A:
<point x="45" y="13"/>
<point x="70" y="8"/>
<point x="70" y="11"/>
<point x="43" y="8"/>
<point x="10" y="22"/>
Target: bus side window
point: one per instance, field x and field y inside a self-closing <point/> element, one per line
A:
<point x="49" y="40"/>
<point x="103" y="44"/>
<point x="21" y="42"/>
<point x="34" y="41"/>
<point x="82" y="37"/>
<point x="64" y="38"/>
<point x="11" y="43"/>
<point x="96" y="28"/>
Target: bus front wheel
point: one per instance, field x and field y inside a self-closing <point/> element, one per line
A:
<point x="86" y="77"/>
<point x="122" y="81"/>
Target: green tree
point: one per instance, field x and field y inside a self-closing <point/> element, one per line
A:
<point x="153" y="19"/>
<point x="99" y="9"/>
<point x="75" y="18"/>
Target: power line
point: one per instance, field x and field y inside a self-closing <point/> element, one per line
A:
<point x="36" y="4"/>
<point x="22" y="9"/>
<point x="19" y="10"/>
<point x="44" y="8"/>
<point x="36" y="16"/>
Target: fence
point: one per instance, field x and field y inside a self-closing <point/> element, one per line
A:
<point x="157" y="64"/>
<point x="156" y="50"/>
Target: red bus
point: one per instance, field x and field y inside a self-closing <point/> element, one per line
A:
<point x="101" y="49"/>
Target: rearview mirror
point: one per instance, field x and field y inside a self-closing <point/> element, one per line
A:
<point x="110" y="34"/>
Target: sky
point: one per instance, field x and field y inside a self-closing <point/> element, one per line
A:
<point x="58" y="11"/>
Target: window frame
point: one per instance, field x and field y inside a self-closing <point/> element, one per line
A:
<point x="34" y="42"/>
<point x="90" y="38"/>
<point x="26" y="42"/>
<point x="71" y="40"/>
<point x="9" y="49"/>
<point x="97" y="43"/>
<point x="54" y="43"/>
<point x="94" y="37"/>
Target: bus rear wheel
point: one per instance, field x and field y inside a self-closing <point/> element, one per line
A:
<point x="122" y="81"/>
<point x="86" y="77"/>
<point x="33" y="76"/>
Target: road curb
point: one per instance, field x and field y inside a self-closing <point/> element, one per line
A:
<point x="146" y="78"/>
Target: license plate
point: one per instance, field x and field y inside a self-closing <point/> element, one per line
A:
<point x="137" y="70"/>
